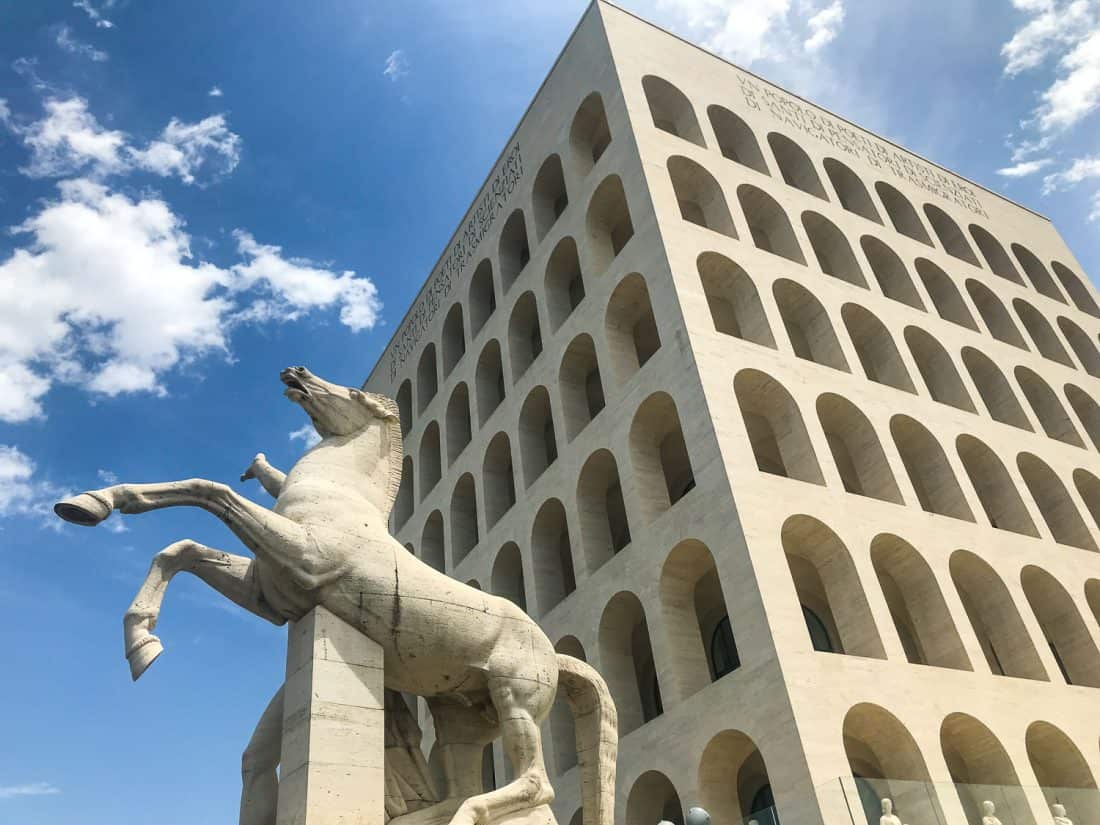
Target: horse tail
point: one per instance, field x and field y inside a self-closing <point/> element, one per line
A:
<point x="597" y="727"/>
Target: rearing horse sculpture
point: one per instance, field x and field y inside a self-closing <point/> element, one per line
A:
<point x="484" y="667"/>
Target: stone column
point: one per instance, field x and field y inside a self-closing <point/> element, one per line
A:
<point x="332" y="769"/>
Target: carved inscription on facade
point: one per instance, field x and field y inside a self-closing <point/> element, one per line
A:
<point x="453" y="263"/>
<point x="859" y="144"/>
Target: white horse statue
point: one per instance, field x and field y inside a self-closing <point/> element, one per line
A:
<point x="485" y="668"/>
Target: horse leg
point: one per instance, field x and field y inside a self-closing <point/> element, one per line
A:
<point x="519" y="703"/>
<point x="232" y="576"/>
<point x="259" y="764"/>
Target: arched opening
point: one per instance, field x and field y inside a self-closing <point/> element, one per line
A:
<point x="524" y="335"/>
<point x="1082" y="346"/>
<point x="581" y="386"/>
<point x="1053" y="501"/>
<point x="996" y="392"/>
<point x="483" y="298"/>
<point x="938" y="370"/>
<point x="699" y="196"/>
<point x="808" y="326"/>
<point x="1088" y="486"/>
<point x="834" y="253"/>
<point x="945" y="295"/>
<point x="589" y="136"/>
<point x="551" y="557"/>
<point x="632" y="335"/>
<point x="1076" y="289"/>
<point x="564" y="282"/>
<point x="850" y="190"/>
<point x="653" y="799"/>
<point x="507" y="576"/>
<point x="562" y="728"/>
<point x="427" y="379"/>
<point x="403" y="503"/>
<point x="700" y="636"/>
<point x="769" y="225"/>
<point x="993" y="616"/>
<point x="995" y="255"/>
<point x="891" y="274"/>
<point x="626" y="660"/>
<point x="608" y="223"/>
<point x="431" y="463"/>
<point x="672" y="112"/>
<point x="458" y="422"/>
<point x="538" y="444"/>
<point x="856" y="450"/>
<point x="878" y="354"/>
<point x="548" y="195"/>
<point x="1087" y="410"/>
<point x="605" y="528"/>
<point x="736" y="140"/>
<point x="454" y="339"/>
<point x="902" y="214"/>
<point x="1063" y="628"/>
<point x="929" y="471"/>
<point x="886" y="763"/>
<point x="1037" y="273"/>
<point x="735" y="306"/>
<point x="498" y="478"/>
<point x="1042" y="333"/>
<point x="1048" y="409"/>
<point x="828" y="590"/>
<point x="993" y="312"/>
<point x="431" y="542"/>
<point x="774" y="428"/>
<point x="515" y="250"/>
<point x="921" y="616"/>
<point x="662" y="466"/>
<point x="795" y="165"/>
<point x="982" y="771"/>
<point x="950" y="235"/>
<point x="995" y="488"/>
<point x="464" y="529"/>
<point x="733" y="781"/>
<point x="1062" y="772"/>
<point x="490" y="381"/>
<point x="404" y="406"/>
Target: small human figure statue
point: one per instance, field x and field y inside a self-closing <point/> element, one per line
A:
<point x="888" y="816"/>
<point x="1059" y="812"/>
<point x="989" y="812"/>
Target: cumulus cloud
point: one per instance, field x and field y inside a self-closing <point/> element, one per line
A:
<point x="307" y="435"/>
<point x="108" y="295"/>
<point x="69" y="140"/>
<point x="397" y="65"/>
<point x="31" y="789"/>
<point x="824" y="26"/>
<point x="68" y="42"/>
<point x="215" y="91"/>
<point x="1024" y="168"/>
<point x="94" y="14"/>
<point x="22" y="494"/>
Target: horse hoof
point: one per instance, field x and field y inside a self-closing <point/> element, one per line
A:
<point x="143" y="654"/>
<point x="86" y="509"/>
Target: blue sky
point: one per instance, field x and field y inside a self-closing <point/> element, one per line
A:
<point x="196" y="194"/>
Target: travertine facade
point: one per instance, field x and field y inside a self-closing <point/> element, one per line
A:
<point x="788" y="431"/>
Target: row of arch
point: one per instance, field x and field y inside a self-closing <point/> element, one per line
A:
<point x="737" y="310"/>
<point x="662" y="475"/>
<point x="673" y="112"/>
<point x="781" y="445"/>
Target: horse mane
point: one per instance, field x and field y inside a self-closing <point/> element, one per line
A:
<point x="397" y="448"/>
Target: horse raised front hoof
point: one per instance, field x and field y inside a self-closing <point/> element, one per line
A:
<point x="86" y="509"/>
<point x="143" y="654"/>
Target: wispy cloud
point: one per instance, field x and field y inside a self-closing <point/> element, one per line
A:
<point x="22" y="493"/>
<point x="397" y="65"/>
<point x="68" y="42"/>
<point x="94" y="14"/>
<point x="1025" y="168"/>
<point x="306" y="434"/>
<point x="30" y="789"/>
<point x="215" y="91"/>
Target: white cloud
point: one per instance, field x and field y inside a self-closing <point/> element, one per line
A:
<point x="31" y="789"/>
<point x="21" y="494"/>
<point x="306" y="434"/>
<point x="108" y="296"/>
<point x="215" y="91"/>
<point x="397" y="66"/>
<point x="68" y="42"/>
<point x="106" y="476"/>
<point x="69" y="140"/>
<point x="94" y="14"/>
<point x="5" y="112"/>
<point x="1024" y="168"/>
<point x="824" y="26"/>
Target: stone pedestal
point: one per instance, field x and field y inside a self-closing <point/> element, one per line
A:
<point x="332" y="768"/>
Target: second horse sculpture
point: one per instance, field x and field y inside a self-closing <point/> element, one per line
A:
<point x="485" y="668"/>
